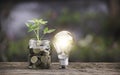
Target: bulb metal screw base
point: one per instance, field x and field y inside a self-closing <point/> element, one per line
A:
<point x="63" y="63"/>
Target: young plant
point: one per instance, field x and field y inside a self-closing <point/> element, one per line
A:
<point x="35" y="25"/>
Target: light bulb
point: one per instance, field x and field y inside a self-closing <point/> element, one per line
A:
<point x="63" y="43"/>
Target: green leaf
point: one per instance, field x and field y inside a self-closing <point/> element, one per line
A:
<point x="27" y="24"/>
<point x="29" y="27"/>
<point x="42" y="22"/>
<point x="30" y="30"/>
<point x="35" y="27"/>
<point x="46" y="30"/>
<point x="51" y="30"/>
<point x="35" y="24"/>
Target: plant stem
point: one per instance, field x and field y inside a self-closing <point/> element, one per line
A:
<point x="36" y="35"/>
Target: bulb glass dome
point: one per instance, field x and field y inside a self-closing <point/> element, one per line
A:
<point x="63" y="42"/>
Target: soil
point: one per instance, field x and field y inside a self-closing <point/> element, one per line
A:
<point x="74" y="68"/>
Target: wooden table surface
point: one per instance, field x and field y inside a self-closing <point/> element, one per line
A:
<point x="74" y="68"/>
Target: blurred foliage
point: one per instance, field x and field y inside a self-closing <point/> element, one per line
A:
<point x="18" y="50"/>
<point x="99" y="49"/>
<point x="68" y="17"/>
<point x="91" y="46"/>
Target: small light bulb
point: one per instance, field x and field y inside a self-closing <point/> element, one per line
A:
<point x="63" y="43"/>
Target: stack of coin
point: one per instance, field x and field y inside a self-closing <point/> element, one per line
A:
<point x="39" y="54"/>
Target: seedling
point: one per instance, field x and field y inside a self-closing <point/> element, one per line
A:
<point x="39" y="49"/>
<point x="35" y="26"/>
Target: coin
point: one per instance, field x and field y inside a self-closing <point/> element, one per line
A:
<point x="34" y="59"/>
<point x="36" y="50"/>
<point x="44" y="59"/>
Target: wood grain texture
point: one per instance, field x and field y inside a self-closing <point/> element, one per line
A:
<point x="74" y="68"/>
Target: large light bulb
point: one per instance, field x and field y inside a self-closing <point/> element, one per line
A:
<point x="63" y="43"/>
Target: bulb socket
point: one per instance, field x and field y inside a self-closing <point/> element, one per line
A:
<point x="63" y="63"/>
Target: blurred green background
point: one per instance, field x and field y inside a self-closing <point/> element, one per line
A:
<point x="95" y="25"/>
